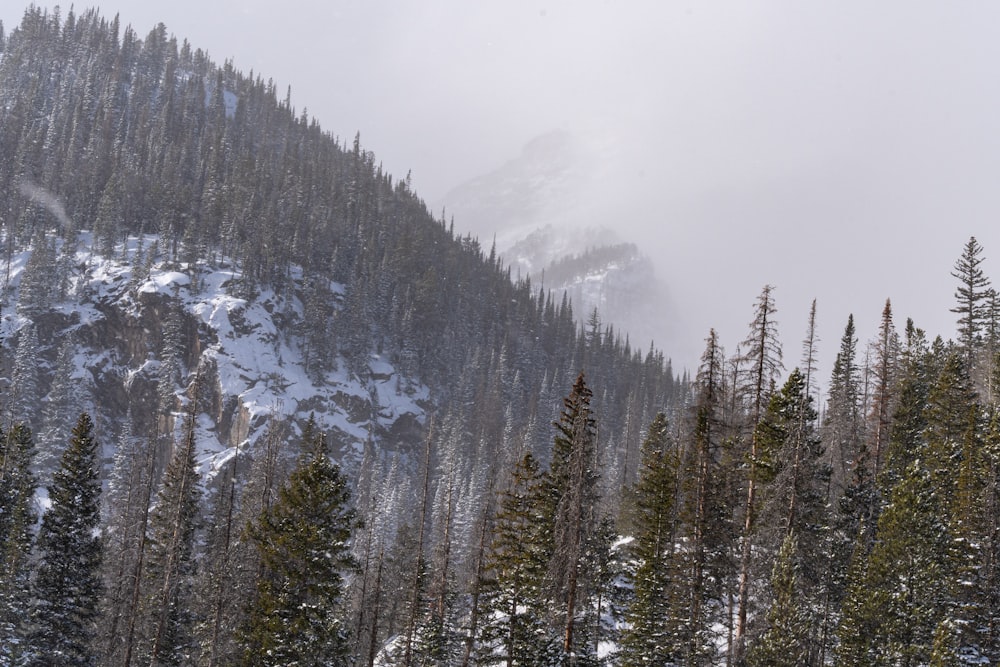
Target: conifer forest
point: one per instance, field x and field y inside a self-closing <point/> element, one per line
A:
<point x="261" y="407"/>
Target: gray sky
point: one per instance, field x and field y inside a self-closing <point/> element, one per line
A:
<point x="841" y="150"/>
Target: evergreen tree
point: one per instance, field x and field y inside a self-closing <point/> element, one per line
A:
<point x="130" y="489"/>
<point x="989" y="574"/>
<point x="857" y="612"/>
<point x="785" y="641"/>
<point x="268" y="470"/>
<point x="842" y="426"/>
<point x="18" y="515"/>
<point x="789" y="463"/>
<point x="972" y="296"/>
<point x="25" y="388"/>
<point x="171" y="358"/>
<point x="572" y="499"/>
<point x="170" y="568"/>
<point x="705" y="519"/>
<point x="35" y="293"/>
<point x="218" y="575"/>
<point x="304" y="545"/>
<point x="895" y="607"/>
<point x="762" y="359"/>
<point x="59" y="413"/>
<point x="67" y="582"/>
<point x="514" y="630"/>
<point x="653" y="521"/>
<point x="880" y="418"/>
<point x="909" y="419"/>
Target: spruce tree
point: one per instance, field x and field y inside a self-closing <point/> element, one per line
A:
<point x="18" y="515"/>
<point x="857" y="613"/>
<point x="61" y="407"/>
<point x="24" y="390"/>
<point x="572" y="507"/>
<point x="653" y="521"/>
<point x="989" y="574"/>
<point x="705" y="518"/>
<point x="762" y="359"/>
<point x="304" y="545"/>
<point x="842" y="430"/>
<point x="883" y="396"/>
<point x="67" y="584"/>
<point x="170" y="568"/>
<point x="972" y="296"/>
<point x="908" y="583"/>
<point x="514" y="629"/>
<point x="130" y="489"/>
<point x="785" y="641"/>
<point x="171" y="357"/>
<point x="909" y="419"/>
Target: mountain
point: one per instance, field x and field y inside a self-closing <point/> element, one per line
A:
<point x="334" y="431"/>
<point x="216" y="279"/>
<point x="539" y="212"/>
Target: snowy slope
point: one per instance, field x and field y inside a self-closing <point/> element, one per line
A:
<point x="247" y="352"/>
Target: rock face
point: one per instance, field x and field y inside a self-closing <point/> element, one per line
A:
<point x="244" y="354"/>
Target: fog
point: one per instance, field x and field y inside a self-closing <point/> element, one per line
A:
<point x="839" y="151"/>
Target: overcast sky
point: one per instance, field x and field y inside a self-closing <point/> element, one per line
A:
<point x="840" y="150"/>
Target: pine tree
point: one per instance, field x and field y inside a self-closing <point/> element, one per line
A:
<point x="653" y="520"/>
<point x="417" y="581"/>
<point x="842" y="426"/>
<point x="67" y="583"/>
<point x="18" y="515"/>
<point x="35" y="294"/>
<point x="886" y="351"/>
<point x="857" y="613"/>
<point x="171" y="358"/>
<point x="268" y="470"/>
<point x="304" y="546"/>
<point x="909" y="418"/>
<point x="25" y="387"/>
<point x="514" y="630"/>
<point x="437" y="635"/>
<point x="972" y="296"/>
<point x="60" y="408"/>
<point x="763" y="361"/>
<point x="989" y="575"/>
<point x="219" y="572"/>
<point x="130" y="489"/>
<point x="785" y="641"/>
<point x="907" y="585"/>
<point x="705" y="518"/>
<point x="170" y="567"/>
<point x="572" y="509"/>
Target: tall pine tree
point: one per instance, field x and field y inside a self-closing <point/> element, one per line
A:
<point x="170" y="567"/>
<point x="68" y="583"/>
<point x="514" y="630"/>
<point x="573" y="499"/>
<point x="304" y="544"/>
<point x="18" y="514"/>
<point x="653" y="520"/>
<point x="972" y="297"/>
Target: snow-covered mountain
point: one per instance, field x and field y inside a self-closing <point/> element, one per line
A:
<point x="114" y="316"/>
<point x="537" y="211"/>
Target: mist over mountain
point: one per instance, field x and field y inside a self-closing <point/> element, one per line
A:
<point x="535" y="209"/>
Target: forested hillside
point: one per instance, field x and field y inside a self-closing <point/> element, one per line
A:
<point x="260" y="407"/>
<point x="172" y="229"/>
